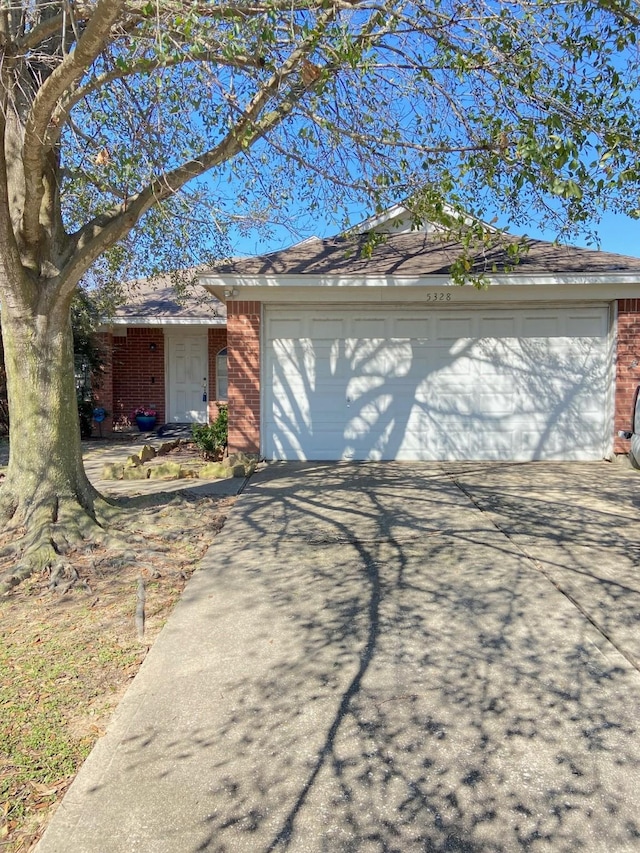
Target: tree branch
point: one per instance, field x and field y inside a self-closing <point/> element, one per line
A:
<point x="35" y="144"/>
<point x="106" y="230"/>
<point x="43" y="31"/>
<point x="61" y="114"/>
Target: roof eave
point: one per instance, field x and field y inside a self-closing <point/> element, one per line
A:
<point x="223" y="286"/>
<point x="146" y="320"/>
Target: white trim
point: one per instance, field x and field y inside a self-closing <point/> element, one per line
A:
<point x="165" y="321"/>
<point x="401" y="213"/>
<point x="218" y="396"/>
<point x="466" y="294"/>
<point x="179" y="331"/>
<point x="366" y="281"/>
<point x="372" y="222"/>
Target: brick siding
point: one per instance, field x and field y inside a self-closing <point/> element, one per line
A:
<point x="217" y="342"/>
<point x="138" y="373"/>
<point x="627" y="367"/>
<point x="243" y="336"/>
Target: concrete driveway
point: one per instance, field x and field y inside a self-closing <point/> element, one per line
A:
<point x="389" y="657"/>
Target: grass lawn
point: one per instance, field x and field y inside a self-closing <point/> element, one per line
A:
<point x="69" y="650"/>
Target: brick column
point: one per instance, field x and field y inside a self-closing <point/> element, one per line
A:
<point x="243" y="341"/>
<point x="627" y="367"/>
<point x="217" y="341"/>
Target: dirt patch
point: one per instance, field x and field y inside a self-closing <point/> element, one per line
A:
<point x="70" y="645"/>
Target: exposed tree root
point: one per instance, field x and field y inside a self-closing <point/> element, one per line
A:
<point x="53" y="528"/>
<point x="47" y="538"/>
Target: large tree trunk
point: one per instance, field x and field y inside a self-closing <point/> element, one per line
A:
<point x="46" y="490"/>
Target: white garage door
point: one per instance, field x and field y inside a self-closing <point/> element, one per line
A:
<point x="465" y="384"/>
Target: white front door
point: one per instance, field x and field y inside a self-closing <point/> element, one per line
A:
<point x="187" y="378"/>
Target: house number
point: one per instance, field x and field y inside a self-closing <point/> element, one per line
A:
<point x="438" y="297"/>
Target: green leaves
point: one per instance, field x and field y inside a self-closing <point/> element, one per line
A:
<point x="525" y="109"/>
<point x="566" y="188"/>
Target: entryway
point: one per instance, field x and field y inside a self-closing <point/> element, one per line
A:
<point x="187" y="377"/>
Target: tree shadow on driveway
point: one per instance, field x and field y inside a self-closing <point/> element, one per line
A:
<point x="366" y="663"/>
<point x="441" y="696"/>
<point x="579" y="523"/>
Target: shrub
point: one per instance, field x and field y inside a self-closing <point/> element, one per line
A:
<point x="211" y="439"/>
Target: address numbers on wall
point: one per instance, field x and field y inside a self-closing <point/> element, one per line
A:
<point x="441" y="296"/>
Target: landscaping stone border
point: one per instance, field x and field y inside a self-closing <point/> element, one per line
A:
<point x="145" y="465"/>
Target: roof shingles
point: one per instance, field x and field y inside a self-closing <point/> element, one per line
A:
<point x="418" y="254"/>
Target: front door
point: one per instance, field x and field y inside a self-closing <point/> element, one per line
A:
<point x="187" y="378"/>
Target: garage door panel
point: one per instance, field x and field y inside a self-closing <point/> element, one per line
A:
<point x="371" y="327"/>
<point x="499" y="327"/>
<point x="495" y="403"/>
<point x="450" y="328"/>
<point x="540" y="325"/>
<point x="326" y="328"/>
<point x="444" y="401"/>
<point x="586" y="326"/>
<point x="285" y="329"/>
<point x="369" y="357"/>
<point x="441" y="384"/>
<point x="418" y="329"/>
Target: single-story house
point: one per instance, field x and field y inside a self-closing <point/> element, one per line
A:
<point x="165" y="354"/>
<point x="327" y="352"/>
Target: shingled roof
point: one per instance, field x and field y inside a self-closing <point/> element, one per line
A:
<point x="156" y="298"/>
<point x="417" y="253"/>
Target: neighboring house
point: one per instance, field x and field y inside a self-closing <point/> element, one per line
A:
<point x="165" y="354"/>
<point x="338" y="354"/>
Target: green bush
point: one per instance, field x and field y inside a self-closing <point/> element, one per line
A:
<point x="211" y="439"/>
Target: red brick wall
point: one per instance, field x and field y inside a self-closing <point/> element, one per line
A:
<point x="217" y="341"/>
<point x="627" y="367"/>
<point x="138" y="373"/>
<point x="243" y="335"/>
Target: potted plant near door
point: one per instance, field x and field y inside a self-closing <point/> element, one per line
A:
<point x="145" y="418"/>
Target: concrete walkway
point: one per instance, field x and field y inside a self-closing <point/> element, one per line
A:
<point x="388" y="657"/>
<point x="96" y="455"/>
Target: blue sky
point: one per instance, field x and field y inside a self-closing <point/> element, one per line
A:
<point x="618" y="233"/>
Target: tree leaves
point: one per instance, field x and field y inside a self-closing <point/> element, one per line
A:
<point x="509" y="106"/>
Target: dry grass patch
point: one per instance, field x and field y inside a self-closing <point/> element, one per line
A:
<point x="69" y="647"/>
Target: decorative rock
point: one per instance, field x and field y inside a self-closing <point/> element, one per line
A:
<point x="238" y="465"/>
<point x="238" y="459"/>
<point x="148" y="452"/>
<point x="214" y="471"/>
<point x="133" y="461"/>
<point x="112" y="471"/>
<point x="135" y="473"/>
<point x="166" y="469"/>
<point x="167" y="447"/>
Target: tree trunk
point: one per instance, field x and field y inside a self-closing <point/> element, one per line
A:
<point x="46" y="487"/>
